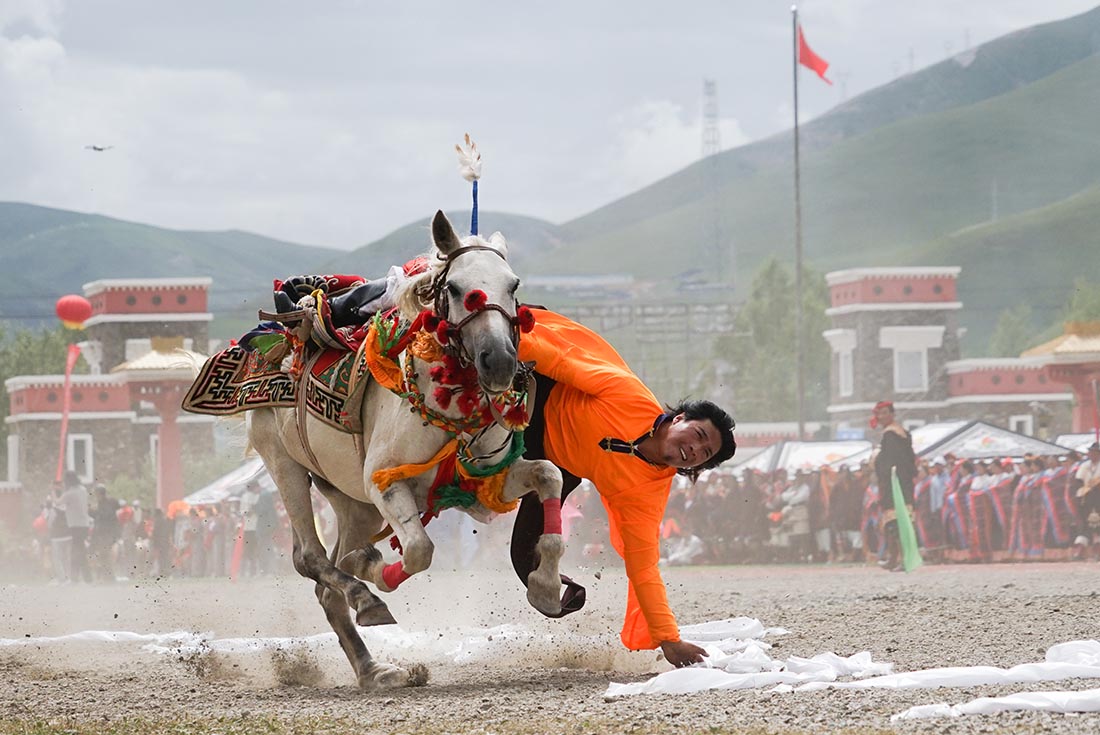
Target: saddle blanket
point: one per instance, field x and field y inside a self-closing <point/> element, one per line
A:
<point x="236" y="380"/>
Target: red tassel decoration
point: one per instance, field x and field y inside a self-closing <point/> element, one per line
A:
<point x="526" y="319"/>
<point x="475" y="300"/>
<point x="517" y="415"/>
<point x="441" y="331"/>
<point x="467" y="403"/>
<point x="431" y="323"/>
<point x="442" y="396"/>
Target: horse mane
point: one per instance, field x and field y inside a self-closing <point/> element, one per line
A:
<point x="410" y="295"/>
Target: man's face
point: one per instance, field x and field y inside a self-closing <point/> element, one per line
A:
<point x="883" y="417"/>
<point x="1094" y="456"/>
<point x="689" y="443"/>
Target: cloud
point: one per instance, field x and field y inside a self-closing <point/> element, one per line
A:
<point x="657" y="138"/>
<point x="27" y="15"/>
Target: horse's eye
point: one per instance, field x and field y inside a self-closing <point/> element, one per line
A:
<point x="455" y="290"/>
<point x="514" y="287"/>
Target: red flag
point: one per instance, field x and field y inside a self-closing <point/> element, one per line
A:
<point x="809" y="59"/>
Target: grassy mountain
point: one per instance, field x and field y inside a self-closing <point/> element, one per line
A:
<point x="1058" y="243"/>
<point x="872" y="197"/>
<point x="54" y="252"/>
<point x="993" y="69"/>
<point x="1009" y="142"/>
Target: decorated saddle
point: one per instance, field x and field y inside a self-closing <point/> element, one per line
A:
<point x="236" y="380"/>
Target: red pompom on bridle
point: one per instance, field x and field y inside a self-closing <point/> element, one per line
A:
<point x="442" y="331"/>
<point x="475" y="300"/>
<point x="526" y="319"/>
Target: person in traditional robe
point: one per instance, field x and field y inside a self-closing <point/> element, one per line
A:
<point x="895" y="454"/>
<point x="595" y="419"/>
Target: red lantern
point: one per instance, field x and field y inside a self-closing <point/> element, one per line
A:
<point x="73" y="311"/>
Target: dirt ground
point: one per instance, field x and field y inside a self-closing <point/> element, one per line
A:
<point x="998" y="615"/>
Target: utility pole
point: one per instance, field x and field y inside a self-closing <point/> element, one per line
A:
<point x="801" y="359"/>
<point x="842" y="77"/>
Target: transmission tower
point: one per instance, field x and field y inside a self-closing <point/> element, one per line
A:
<point x="719" y="252"/>
<point x="712" y="138"/>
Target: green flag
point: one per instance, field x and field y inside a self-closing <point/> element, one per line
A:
<point x="907" y="535"/>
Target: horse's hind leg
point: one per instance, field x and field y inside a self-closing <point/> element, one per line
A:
<point x="370" y="674"/>
<point x="542" y="477"/>
<point x="293" y="481"/>
<point x="356" y="523"/>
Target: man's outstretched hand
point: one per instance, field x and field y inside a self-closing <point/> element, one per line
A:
<point x="682" y="653"/>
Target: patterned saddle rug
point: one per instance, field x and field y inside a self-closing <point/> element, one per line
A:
<point x="236" y="380"/>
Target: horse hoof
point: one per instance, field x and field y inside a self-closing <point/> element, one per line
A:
<point x="545" y="602"/>
<point x="376" y="613"/>
<point x="544" y="583"/>
<point x="384" y="676"/>
<point x="542" y="591"/>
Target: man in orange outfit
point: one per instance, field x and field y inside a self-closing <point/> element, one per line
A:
<point x="594" y="418"/>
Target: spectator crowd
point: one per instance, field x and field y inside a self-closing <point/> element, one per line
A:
<point x="964" y="510"/>
<point x="83" y="537"/>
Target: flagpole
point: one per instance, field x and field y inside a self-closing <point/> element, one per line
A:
<point x="800" y="360"/>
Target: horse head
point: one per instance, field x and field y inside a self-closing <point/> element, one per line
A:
<point x="473" y="288"/>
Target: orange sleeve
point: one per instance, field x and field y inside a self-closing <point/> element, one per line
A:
<point x="635" y="519"/>
<point x="572" y="354"/>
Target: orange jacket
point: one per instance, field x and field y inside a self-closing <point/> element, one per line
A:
<point x="597" y="396"/>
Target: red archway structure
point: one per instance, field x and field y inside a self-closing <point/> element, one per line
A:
<point x="1074" y="358"/>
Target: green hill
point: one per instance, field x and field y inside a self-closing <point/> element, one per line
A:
<point x="868" y="199"/>
<point x="52" y="252"/>
<point x="1033" y="257"/>
<point x="880" y="197"/>
<point x="993" y="69"/>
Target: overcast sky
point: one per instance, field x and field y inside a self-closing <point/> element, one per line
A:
<point x="332" y="122"/>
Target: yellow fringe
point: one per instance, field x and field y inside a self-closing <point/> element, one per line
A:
<point x="385" y="477"/>
<point x="425" y="347"/>
<point x="490" y="490"/>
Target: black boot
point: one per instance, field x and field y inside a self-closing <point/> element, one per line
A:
<point x="345" y="307"/>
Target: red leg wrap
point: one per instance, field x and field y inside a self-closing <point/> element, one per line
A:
<point x="551" y="515"/>
<point x="394" y="574"/>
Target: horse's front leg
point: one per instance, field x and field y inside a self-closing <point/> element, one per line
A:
<point x="397" y="504"/>
<point x="543" y="478"/>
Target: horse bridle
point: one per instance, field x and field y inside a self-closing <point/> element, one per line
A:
<point x="437" y="291"/>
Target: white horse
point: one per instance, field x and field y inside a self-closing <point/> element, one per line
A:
<point x="392" y="436"/>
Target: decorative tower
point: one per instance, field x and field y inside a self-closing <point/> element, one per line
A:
<point x="894" y="331"/>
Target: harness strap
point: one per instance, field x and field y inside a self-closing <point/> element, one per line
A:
<point x="300" y="411"/>
<point x="282" y="317"/>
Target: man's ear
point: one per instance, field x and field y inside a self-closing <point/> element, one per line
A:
<point x="679" y="417"/>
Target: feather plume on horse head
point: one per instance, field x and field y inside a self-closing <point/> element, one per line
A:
<point x="469" y="165"/>
<point x="469" y="160"/>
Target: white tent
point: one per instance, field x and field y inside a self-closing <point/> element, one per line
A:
<point x="923" y="437"/>
<point x="1076" y="442"/>
<point x="979" y="440"/>
<point x="232" y="484"/>
<point x="794" y="455"/>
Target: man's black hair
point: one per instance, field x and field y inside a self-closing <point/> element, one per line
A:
<point x="699" y="410"/>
